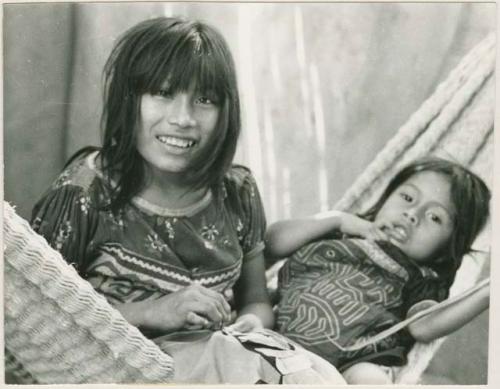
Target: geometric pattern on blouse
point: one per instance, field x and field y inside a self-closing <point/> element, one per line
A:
<point x="333" y="292"/>
<point x="116" y="261"/>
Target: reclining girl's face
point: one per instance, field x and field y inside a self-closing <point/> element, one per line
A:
<point x="420" y="215"/>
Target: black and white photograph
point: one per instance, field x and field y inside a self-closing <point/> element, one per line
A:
<point x="243" y="193"/>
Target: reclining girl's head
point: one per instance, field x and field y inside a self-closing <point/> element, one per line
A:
<point x="434" y="210"/>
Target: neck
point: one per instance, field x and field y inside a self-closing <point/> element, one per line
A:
<point x="171" y="191"/>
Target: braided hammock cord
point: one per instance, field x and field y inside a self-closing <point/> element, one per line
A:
<point x="453" y="114"/>
<point x="58" y="329"/>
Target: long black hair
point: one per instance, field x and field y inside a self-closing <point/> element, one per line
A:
<point x="147" y="55"/>
<point x="471" y="198"/>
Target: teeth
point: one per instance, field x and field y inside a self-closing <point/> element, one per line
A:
<point x="401" y="232"/>
<point x="177" y="142"/>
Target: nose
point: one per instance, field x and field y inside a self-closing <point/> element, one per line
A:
<point x="411" y="216"/>
<point x="181" y="111"/>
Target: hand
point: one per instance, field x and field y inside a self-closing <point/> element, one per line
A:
<point x="193" y="307"/>
<point x="379" y="231"/>
<point x="246" y="323"/>
<point x="354" y="225"/>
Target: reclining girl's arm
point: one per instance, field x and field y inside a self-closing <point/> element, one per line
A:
<point x="444" y="321"/>
<point x="285" y="237"/>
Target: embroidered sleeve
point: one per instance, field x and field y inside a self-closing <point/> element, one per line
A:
<point x="251" y="223"/>
<point x="65" y="218"/>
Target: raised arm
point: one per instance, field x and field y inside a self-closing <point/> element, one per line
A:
<point x="285" y="237"/>
<point x="449" y="319"/>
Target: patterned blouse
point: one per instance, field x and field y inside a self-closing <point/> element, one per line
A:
<point x="145" y="251"/>
<point x="336" y="292"/>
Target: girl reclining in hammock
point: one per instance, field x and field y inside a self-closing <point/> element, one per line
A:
<point x="350" y="277"/>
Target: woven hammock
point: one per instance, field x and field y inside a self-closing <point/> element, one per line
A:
<point x="59" y="330"/>
<point x="455" y="123"/>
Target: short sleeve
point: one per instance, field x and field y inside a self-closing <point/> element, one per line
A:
<point x="420" y="306"/>
<point x="66" y="219"/>
<point x="423" y="292"/>
<point x="251" y="224"/>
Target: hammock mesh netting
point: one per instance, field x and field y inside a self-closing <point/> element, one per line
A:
<point x="59" y="330"/>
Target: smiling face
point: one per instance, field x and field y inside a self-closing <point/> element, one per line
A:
<point x="421" y="215"/>
<point x="175" y="128"/>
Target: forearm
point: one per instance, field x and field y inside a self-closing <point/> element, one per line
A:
<point x="451" y="318"/>
<point x="262" y="310"/>
<point x="136" y="313"/>
<point x="250" y="291"/>
<point x="285" y="237"/>
<point x="193" y="305"/>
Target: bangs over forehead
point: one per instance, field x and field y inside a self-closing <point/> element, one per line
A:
<point x="180" y="55"/>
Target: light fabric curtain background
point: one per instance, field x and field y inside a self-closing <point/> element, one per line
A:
<point x="323" y="86"/>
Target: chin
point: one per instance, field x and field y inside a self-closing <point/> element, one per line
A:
<point x="171" y="168"/>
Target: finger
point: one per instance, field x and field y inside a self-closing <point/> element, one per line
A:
<point x="216" y="308"/>
<point x="207" y="309"/>
<point x="216" y="299"/>
<point x="384" y="224"/>
<point x="193" y="327"/>
<point x="207" y="303"/>
<point x="372" y="234"/>
<point x="219" y="297"/>
<point x="376" y="234"/>
<point x="234" y="316"/>
<point x="381" y="235"/>
<point x="195" y="321"/>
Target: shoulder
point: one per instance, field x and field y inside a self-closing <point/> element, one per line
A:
<point x="239" y="180"/>
<point x="81" y="174"/>
<point x="79" y="183"/>
<point x="239" y="175"/>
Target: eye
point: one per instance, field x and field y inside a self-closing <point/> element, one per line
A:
<point x="406" y="197"/>
<point x="165" y="93"/>
<point x="435" y="217"/>
<point x="205" y="100"/>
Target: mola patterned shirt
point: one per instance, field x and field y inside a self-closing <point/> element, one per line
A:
<point x="334" y="293"/>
